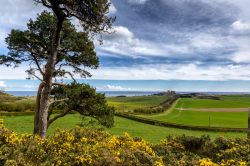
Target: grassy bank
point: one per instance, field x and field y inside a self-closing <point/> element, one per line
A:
<point x="24" y="124"/>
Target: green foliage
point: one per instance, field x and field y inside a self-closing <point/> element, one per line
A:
<point x="76" y="49"/>
<point x="54" y="48"/>
<point x="91" y="14"/>
<point x="84" y="99"/>
<point x="149" y="110"/>
<point x="189" y="150"/>
<point x="10" y="103"/>
<point x="81" y="146"/>
<point x="75" y="147"/>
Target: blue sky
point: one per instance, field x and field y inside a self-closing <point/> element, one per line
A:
<point x="142" y="85"/>
<point x="185" y="40"/>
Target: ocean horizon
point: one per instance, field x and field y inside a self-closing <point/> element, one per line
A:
<point x="129" y="93"/>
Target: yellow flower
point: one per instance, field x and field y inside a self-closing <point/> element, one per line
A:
<point x="207" y="162"/>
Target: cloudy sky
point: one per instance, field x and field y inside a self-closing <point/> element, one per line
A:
<point x="187" y="40"/>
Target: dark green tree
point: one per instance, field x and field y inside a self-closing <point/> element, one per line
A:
<point x="54" y="48"/>
<point x="83" y="99"/>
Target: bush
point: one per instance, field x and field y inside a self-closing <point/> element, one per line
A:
<point x="75" y="147"/>
<point x="10" y="103"/>
<point x="94" y="147"/>
<point x="11" y="107"/>
<point x="188" y="150"/>
<point x="149" y="110"/>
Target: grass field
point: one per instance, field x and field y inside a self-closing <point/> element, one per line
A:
<point x="185" y="112"/>
<point x="24" y="124"/>
<point x="232" y="101"/>
<point x="182" y="112"/>
<point x="131" y="103"/>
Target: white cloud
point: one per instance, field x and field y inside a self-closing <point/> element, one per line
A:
<point x="124" y="42"/>
<point x="122" y="32"/>
<point x="206" y="41"/>
<point x="27" y="86"/>
<point x="241" y="25"/>
<point x="10" y="73"/>
<point x="14" y="15"/>
<point x="2" y="84"/>
<point x="242" y="56"/>
<point x="115" y="88"/>
<point x="153" y="72"/>
<point x="179" y="72"/>
<point x="112" y="9"/>
<point x="137" y="1"/>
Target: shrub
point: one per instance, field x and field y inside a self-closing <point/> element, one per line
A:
<point x="11" y="107"/>
<point x="188" y="150"/>
<point x="94" y="147"/>
<point x="149" y="110"/>
<point x="10" y="103"/>
<point x="75" y="147"/>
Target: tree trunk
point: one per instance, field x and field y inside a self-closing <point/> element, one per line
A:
<point x="41" y="125"/>
<point x="36" y="117"/>
<point x="248" y="132"/>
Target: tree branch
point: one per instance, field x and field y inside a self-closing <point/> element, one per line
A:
<point x="37" y="64"/>
<point x="44" y="2"/>
<point x="71" y="75"/>
<point x="56" y="101"/>
<point x="58" y="84"/>
<point x="58" y="116"/>
<point x="30" y="73"/>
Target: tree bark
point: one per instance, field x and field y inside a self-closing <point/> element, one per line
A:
<point x="36" y="116"/>
<point x="248" y="131"/>
<point x="44" y="103"/>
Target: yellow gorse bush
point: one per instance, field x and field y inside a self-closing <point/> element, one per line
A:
<point x="92" y="147"/>
<point x="77" y="147"/>
<point x="207" y="162"/>
<point x="1" y="122"/>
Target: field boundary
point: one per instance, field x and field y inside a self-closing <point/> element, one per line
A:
<point x="179" y="126"/>
<point x="2" y="113"/>
<point x="215" y="109"/>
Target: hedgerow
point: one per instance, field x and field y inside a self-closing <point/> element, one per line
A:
<point x="149" y="110"/>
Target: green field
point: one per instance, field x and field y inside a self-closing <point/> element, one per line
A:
<point x="186" y="111"/>
<point x="183" y="111"/>
<point x="131" y="103"/>
<point x="24" y="124"/>
<point x="232" y="101"/>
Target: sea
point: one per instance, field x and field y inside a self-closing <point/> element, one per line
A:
<point x="107" y="93"/>
<point x="127" y="93"/>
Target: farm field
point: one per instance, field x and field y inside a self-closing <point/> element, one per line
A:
<point x="24" y="124"/>
<point x="131" y="103"/>
<point x="226" y="101"/>
<point x="230" y="111"/>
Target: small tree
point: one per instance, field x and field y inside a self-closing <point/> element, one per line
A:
<point x="82" y="99"/>
<point x="53" y="48"/>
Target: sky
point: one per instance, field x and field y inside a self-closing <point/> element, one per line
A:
<point x="198" y="45"/>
